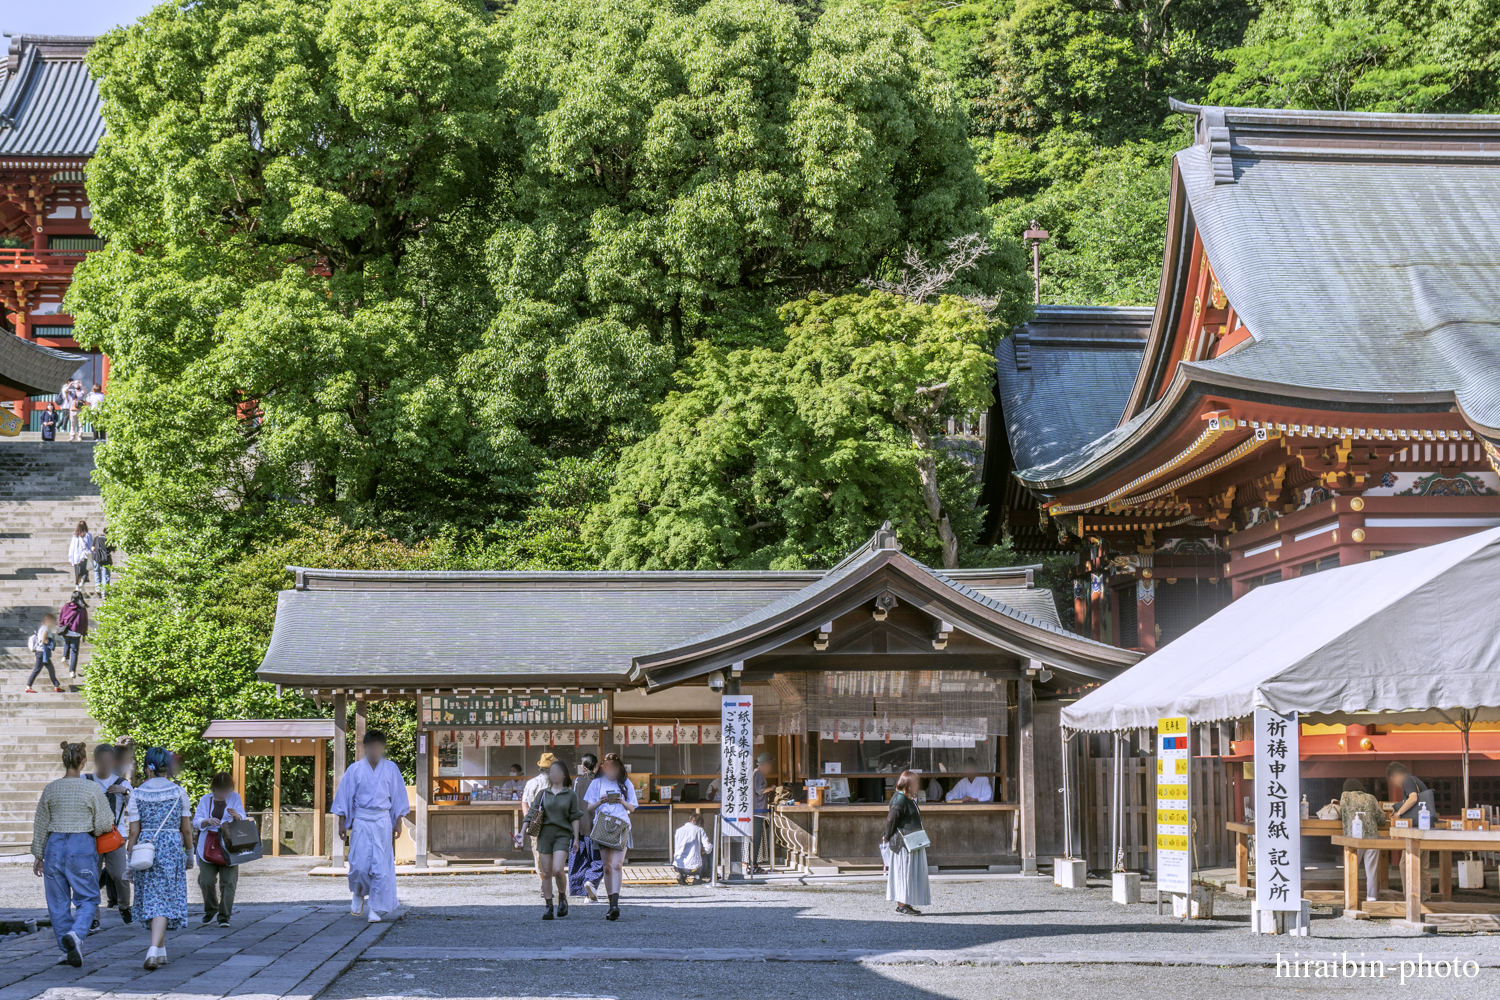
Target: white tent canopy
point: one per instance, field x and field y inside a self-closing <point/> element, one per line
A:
<point x="1416" y="632"/>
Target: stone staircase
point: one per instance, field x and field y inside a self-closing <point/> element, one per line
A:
<point x="45" y="489"/>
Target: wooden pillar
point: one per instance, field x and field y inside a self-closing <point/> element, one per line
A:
<point x="1027" y="751"/>
<point x="276" y="800"/>
<point x="320" y="794"/>
<point x="340" y="758"/>
<point x="1096" y="608"/>
<point x="1145" y="613"/>
<point x="239" y="771"/>
<point x="360" y="711"/>
<point x="424" y="792"/>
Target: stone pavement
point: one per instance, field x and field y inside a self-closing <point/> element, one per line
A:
<point x="269" y="951"/>
<point x="481" y="936"/>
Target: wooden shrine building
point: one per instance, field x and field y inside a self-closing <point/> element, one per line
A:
<point x="857" y="672"/>
<point x="49" y="128"/>
<point x="1319" y="384"/>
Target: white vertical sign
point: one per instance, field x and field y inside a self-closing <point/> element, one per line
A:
<point x="737" y="753"/>
<point x="1174" y="857"/>
<point x="1278" y="819"/>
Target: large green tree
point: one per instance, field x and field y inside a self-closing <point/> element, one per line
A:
<point x="276" y="184"/>
<point x="787" y="458"/>
<point x="675" y="172"/>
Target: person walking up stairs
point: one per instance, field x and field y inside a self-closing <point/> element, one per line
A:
<point x="45" y="490"/>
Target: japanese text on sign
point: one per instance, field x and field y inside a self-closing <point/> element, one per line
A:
<point x="1278" y="825"/>
<point x="736" y="807"/>
<point x="1174" y="860"/>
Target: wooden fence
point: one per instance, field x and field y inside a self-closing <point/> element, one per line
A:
<point x="1212" y="806"/>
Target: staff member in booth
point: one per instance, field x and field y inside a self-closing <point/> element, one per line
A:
<point x="971" y="787"/>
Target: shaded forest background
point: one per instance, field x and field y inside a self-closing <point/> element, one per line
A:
<point x="557" y="284"/>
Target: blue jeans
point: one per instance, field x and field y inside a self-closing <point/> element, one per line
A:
<point x="70" y="873"/>
<point x="101" y="576"/>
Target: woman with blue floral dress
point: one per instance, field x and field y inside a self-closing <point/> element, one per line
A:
<point x="159" y="813"/>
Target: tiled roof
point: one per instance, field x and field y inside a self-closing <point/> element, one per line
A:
<point x="456" y="628"/>
<point x="49" y="105"/>
<point x="33" y="368"/>
<point x="1362" y="251"/>
<point x="1064" y="376"/>
<point x="576" y="627"/>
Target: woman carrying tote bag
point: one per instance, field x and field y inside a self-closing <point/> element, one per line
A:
<point x="160" y="814"/>
<point x="906" y="881"/>
<point x="609" y="802"/>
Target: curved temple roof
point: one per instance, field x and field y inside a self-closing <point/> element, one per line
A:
<point x="1362" y="252"/>
<point x="49" y="104"/>
<point x="33" y="368"/>
<point x="396" y="629"/>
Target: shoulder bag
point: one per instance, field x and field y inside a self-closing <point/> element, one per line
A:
<point x="143" y="854"/>
<point x="610" y="832"/>
<point x="916" y="840"/>
<point x="537" y="815"/>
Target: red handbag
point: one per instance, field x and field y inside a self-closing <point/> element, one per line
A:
<point x="213" y="849"/>
<point x="111" y="841"/>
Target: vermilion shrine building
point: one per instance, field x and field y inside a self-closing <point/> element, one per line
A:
<point x="49" y="127"/>
<point x="1317" y="386"/>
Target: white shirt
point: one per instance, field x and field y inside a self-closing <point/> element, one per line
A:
<point x="975" y="788"/>
<point x="95" y="398"/>
<point x="117" y="802"/>
<point x="233" y="809"/>
<point x="366" y="789"/>
<point x="133" y="813"/>
<point x="689" y="845"/>
<point x="533" y="788"/>
<point x="79" y="547"/>
<point x="602" y="786"/>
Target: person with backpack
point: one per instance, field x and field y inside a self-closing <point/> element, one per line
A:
<point x="102" y="554"/>
<point x="73" y="621"/>
<point x="41" y="642"/>
<point x="79" y="547"/>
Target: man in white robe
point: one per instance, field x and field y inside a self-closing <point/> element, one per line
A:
<point x="369" y="802"/>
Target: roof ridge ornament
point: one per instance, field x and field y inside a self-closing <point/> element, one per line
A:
<point x="1212" y="132"/>
<point x="885" y="538"/>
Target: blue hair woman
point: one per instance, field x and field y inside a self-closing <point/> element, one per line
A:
<point x="160" y="814"/>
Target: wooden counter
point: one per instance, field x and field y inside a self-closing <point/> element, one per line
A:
<point x="1456" y="916"/>
<point x="964" y="835"/>
<point x="469" y="831"/>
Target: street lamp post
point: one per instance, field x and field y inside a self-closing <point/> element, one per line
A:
<point x="1036" y="236"/>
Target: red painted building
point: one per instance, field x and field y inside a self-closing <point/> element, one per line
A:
<point x="49" y="127"/>
<point x="1319" y="383"/>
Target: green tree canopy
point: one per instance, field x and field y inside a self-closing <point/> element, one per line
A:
<point x="268" y="172"/>
<point x="677" y="172"/>
<point x="784" y="459"/>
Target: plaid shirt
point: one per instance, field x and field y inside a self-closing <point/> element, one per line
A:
<point x="70" y="805"/>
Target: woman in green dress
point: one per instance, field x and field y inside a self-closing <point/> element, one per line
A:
<point x="558" y="835"/>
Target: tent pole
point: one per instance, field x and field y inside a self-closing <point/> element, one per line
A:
<point x="1067" y="765"/>
<point x="1117" y="824"/>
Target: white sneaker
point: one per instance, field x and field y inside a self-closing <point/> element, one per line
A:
<point x="73" y="949"/>
<point x="593" y="892"/>
<point x="356" y="904"/>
